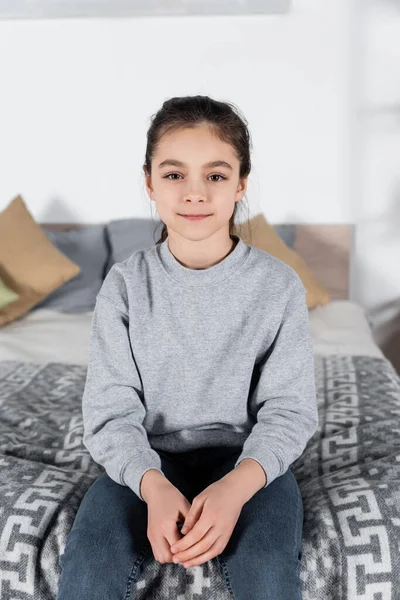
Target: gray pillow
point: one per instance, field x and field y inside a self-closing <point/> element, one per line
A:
<point x="287" y="233"/>
<point x="87" y="247"/>
<point x="125" y="236"/>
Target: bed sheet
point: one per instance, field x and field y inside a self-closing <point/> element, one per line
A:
<point x="349" y="477"/>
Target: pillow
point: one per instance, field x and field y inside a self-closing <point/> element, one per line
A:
<point x="287" y="233"/>
<point x="125" y="236"/>
<point x="264" y="236"/>
<point x="6" y="295"/>
<point x="29" y="263"/>
<point x="87" y="247"/>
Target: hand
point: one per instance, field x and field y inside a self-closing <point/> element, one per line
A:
<point x="166" y="507"/>
<point x="210" y="522"/>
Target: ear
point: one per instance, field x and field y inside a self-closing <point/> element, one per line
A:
<point x="241" y="189"/>
<point x="147" y="181"/>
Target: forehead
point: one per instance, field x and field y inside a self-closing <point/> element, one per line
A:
<point x="194" y="144"/>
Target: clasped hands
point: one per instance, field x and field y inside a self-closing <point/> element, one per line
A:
<point x="208" y="522"/>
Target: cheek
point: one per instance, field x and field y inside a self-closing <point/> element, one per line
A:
<point x="165" y="193"/>
<point x="225" y="198"/>
<point x="167" y="200"/>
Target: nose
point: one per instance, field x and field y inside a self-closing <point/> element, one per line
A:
<point x="195" y="191"/>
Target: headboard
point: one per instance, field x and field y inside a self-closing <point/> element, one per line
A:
<point x="326" y="249"/>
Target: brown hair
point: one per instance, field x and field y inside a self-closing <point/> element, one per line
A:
<point x="189" y="111"/>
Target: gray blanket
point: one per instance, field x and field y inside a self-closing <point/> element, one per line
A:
<point x="349" y="476"/>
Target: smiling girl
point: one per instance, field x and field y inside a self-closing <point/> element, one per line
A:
<point x="200" y="389"/>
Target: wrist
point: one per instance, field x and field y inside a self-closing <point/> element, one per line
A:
<point x="149" y="482"/>
<point x="248" y="478"/>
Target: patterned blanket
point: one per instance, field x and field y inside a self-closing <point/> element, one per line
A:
<point x="349" y="476"/>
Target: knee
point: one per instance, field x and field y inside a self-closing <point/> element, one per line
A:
<point x="281" y="576"/>
<point x="98" y="541"/>
<point x="87" y="567"/>
<point x="272" y="576"/>
<point x="282" y="562"/>
<point x="81" y="544"/>
<point x="77" y="570"/>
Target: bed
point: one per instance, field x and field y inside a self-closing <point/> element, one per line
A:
<point x="349" y="473"/>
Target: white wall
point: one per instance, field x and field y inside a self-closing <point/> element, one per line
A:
<point x="77" y="96"/>
<point x="377" y="278"/>
<point x="80" y="93"/>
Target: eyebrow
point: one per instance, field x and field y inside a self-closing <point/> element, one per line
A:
<point x="177" y="163"/>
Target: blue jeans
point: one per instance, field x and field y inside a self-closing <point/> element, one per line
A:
<point x="107" y="546"/>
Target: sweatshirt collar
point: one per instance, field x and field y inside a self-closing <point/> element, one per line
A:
<point x="201" y="277"/>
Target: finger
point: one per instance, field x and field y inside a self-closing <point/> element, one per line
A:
<point x="163" y="551"/>
<point x="184" y="511"/>
<point x="173" y="536"/>
<point x="193" y="515"/>
<point x="214" y="551"/>
<point x="205" y="543"/>
<point x="190" y="523"/>
<point x="172" y="533"/>
<point x="186" y="528"/>
<point x="195" y="535"/>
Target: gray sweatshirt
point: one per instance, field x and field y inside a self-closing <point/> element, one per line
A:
<point x="186" y="358"/>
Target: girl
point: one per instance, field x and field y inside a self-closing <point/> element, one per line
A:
<point x="200" y="388"/>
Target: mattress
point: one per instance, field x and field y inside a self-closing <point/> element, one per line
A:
<point x="44" y="335"/>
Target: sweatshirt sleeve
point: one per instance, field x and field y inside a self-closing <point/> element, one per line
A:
<point x="112" y="407"/>
<point x="285" y="394"/>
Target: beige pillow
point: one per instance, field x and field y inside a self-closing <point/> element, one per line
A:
<point x="264" y="236"/>
<point x="29" y="263"/>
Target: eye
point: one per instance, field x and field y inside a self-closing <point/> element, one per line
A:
<point x="214" y="175"/>
<point x="218" y="175"/>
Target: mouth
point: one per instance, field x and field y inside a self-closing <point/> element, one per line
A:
<point x="195" y="217"/>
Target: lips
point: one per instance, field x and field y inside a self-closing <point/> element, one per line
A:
<point x="195" y="217"/>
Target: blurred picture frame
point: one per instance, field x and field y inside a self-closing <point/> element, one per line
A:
<point x="42" y="9"/>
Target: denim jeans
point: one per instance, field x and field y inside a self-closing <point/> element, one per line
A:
<point x="107" y="546"/>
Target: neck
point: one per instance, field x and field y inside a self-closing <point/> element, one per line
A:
<point x="203" y="268"/>
<point x="202" y="254"/>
